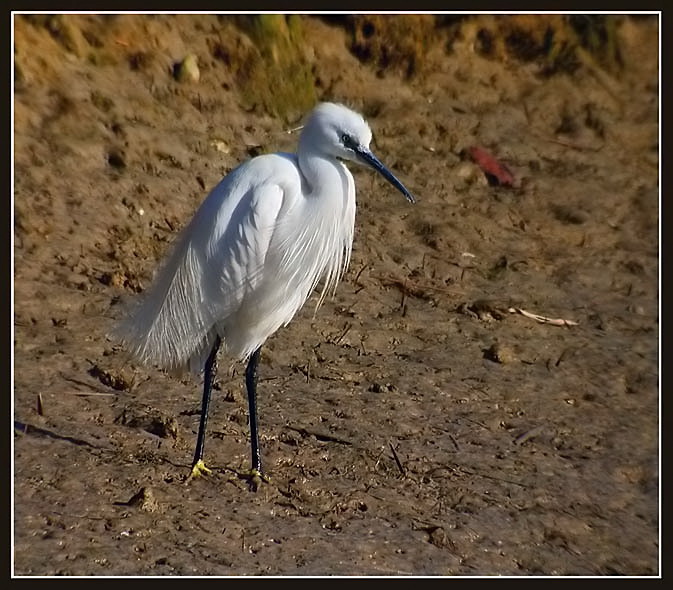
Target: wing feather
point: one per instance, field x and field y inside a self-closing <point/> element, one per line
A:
<point x="216" y="262"/>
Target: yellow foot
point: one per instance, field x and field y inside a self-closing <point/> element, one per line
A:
<point x="255" y="477"/>
<point x="198" y="470"/>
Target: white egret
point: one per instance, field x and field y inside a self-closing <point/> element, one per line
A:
<point x="250" y="257"/>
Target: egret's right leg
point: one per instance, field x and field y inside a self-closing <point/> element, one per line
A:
<point x="198" y="466"/>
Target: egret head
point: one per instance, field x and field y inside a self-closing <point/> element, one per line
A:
<point x="335" y="130"/>
<point x="329" y="124"/>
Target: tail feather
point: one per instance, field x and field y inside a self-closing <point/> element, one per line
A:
<point x="169" y="327"/>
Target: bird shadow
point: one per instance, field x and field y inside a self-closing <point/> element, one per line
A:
<point x="32" y="430"/>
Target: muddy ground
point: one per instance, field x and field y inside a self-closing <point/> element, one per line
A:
<point x="416" y="424"/>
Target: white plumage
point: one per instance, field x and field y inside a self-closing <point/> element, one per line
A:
<point x="253" y="253"/>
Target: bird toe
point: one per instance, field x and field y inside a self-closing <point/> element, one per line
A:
<point x="199" y="469"/>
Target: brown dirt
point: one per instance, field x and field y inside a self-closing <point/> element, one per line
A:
<point x="413" y="425"/>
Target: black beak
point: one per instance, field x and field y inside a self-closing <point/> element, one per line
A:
<point x="366" y="157"/>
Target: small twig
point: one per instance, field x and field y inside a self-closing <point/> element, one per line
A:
<point x="357" y="276"/>
<point x="91" y="393"/>
<point x="410" y="287"/>
<point x="494" y="478"/>
<point x="526" y="436"/>
<point x="82" y="516"/>
<point x="294" y="129"/>
<point x="320" y="435"/>
<point x="542" y="319"/>
<point x="577" y="146"/>
<point x="455" y="444"/>
<point x="345" y="331"/>
<point x="397" y="460"/>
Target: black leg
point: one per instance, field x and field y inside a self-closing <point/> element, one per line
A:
<point x="208" y="380"/>
<point x="251" y="386"/>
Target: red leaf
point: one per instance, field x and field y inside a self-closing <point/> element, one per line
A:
<point x="496" y="172"/>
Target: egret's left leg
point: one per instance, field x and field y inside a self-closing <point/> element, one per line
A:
<point x="198" y="466"/>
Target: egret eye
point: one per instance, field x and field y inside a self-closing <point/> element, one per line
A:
<point x="347" y="140"/>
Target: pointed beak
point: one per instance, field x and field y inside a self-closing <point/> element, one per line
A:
<point x="365" y="156"/>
